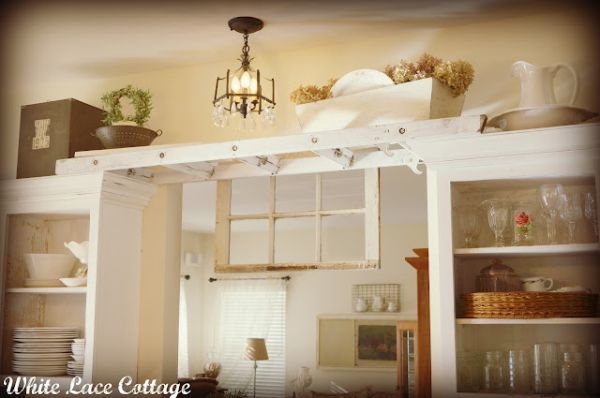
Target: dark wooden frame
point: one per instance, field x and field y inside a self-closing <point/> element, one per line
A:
<point x="422" y="332"/>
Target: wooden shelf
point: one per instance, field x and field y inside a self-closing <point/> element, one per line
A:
<point x="48" y="290"/>
<point x="537" y="321"/>
<point x="536" y="250"/>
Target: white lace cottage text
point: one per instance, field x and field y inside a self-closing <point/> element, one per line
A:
<point x="126" y="386"/>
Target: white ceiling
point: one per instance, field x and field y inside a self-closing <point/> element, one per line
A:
<point x="109" y="38"/>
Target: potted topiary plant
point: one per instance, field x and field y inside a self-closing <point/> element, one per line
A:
<point x="126" y="130"/>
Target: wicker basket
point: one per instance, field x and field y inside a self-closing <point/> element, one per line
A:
<point x="125" y="136"/>
<point x="529" y="305"/>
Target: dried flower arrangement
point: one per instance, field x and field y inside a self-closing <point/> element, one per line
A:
<point x="312" y="93"/>
<point x="457" y="75"/>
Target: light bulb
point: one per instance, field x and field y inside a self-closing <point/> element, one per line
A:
<point x="235" y="84"/>
<point x="245" y="80"/>
<point x="253" y="85"/>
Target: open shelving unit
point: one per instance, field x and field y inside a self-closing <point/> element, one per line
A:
<point x="514" y="177"/>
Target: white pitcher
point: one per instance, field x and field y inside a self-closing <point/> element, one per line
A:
<point x="537" y="83"/>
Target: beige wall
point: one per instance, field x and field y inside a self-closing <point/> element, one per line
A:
<point x="182" y="96"/>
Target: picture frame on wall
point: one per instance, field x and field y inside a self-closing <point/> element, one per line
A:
<point x="375" y="344"/>
<point x="355" y="343"/>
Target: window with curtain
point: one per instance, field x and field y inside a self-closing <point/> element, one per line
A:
<point x="252" y="308"/>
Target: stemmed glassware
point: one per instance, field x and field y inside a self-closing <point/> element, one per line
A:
<point x="570" y="211"/>
<point x="470" y="223"/>
<point x="589" y="210"/>
<point x="497" y="215"/>
<point x="549" y="195"/>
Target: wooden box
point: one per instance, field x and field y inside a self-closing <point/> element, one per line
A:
<point x="416" y="100"/>
<point x="55" y="130"/>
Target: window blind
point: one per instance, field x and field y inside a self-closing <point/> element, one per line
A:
<point x="252" y="309"/>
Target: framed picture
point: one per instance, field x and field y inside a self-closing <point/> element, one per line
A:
<point x="375" y="344"/>
<point x="355" y="343"/>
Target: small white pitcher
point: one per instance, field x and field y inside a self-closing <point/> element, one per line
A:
<point x="537" y="83"/>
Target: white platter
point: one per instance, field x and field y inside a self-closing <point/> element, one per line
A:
<point x="41" y="355"/>
<point x="42" y="344"/>
<point x="42" y="350"/>
<point x="39" y="340"/>
<point x="540" y="117"/>
<point x="360" y="80"/>
<point x="42" y="363"/>
<point x="44" y="328"/>
<point x="40" y="371"/>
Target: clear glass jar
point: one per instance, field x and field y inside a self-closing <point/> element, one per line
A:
<point x="519" y="371"/>
<point x="572" y="373"/>
<point x="468" y="371"/>
<point x="497" y="277"/>
<point x="545" y="368"/>
<point x="593" y="368"/>
<point x="494" y="372"/>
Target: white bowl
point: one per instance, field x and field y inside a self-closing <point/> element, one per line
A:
<point x="48" y="266"/>
<point x="72" y="282"/>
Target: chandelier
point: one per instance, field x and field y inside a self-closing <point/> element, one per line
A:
<point x="243" y="88"/>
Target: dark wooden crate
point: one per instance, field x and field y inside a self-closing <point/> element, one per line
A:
<point x="63" y="128"/>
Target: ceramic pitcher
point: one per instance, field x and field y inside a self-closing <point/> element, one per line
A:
<point x="537" y="83"/>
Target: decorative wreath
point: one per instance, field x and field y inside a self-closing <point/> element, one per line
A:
<point x="140" y="99"/>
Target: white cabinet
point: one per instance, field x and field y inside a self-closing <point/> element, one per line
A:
<point x="39" y="215"/>
<point x="508" y="166"/>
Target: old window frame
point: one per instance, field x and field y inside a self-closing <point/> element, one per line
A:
<point x="371" y="212"/>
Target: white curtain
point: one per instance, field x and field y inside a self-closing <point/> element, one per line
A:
<point x="252" y="308"/>
<point x="183" y="365"/>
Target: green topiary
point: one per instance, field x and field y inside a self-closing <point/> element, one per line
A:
<point x="141" y="101"/>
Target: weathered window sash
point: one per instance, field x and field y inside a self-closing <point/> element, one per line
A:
<point x="371" y="229"/>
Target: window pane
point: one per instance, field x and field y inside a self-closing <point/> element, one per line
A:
<point x="250" y="195"/>
<point x="295" y="240"/>
<point x="295" y="193"/>
<point x="343" y="238"/>
<point x="343" y="190"/>
<point x="249" y="242"/>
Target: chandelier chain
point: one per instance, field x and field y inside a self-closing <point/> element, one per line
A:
<point x="245" y="59"/>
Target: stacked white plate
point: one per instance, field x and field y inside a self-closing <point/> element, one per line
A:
<point x="75" y="367"/>
<point x="42" y="351"/>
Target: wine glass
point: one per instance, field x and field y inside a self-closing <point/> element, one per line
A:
<point x="549" y="195"/>
<point x="589" y="210"/>
<point x="570" y="211"/>
<point x="470" y="223"/>
<point x="497" y="215"/>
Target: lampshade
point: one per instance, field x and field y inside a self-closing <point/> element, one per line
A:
<point x="256" y="349"/>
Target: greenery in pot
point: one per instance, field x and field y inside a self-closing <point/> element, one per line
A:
<point x="141" y="100"/>
<point x="457" y="75"/>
